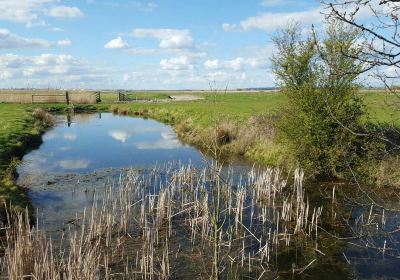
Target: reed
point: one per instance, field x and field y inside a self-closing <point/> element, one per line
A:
<point x="147" y="224"/>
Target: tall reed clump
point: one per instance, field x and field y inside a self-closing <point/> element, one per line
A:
<point x="153" y="224"/>
<point x="43" y="118"/>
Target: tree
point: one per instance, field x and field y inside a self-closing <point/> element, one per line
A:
<point x="378" y="23"/>
<point x="323" y="113"/>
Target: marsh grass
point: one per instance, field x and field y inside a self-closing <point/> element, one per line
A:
<point x="146" y="225"/>
<point x="43" y="118"/>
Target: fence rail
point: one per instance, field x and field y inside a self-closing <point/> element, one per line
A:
<point x="67" y="97"/>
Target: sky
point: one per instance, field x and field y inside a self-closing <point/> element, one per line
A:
<point x="159" y="44"/>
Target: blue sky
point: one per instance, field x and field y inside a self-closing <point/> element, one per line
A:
<point x="166" y="44"/>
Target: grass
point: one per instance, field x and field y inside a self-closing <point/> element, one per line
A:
<point x="17" y="133"/>
<point x="230" y="106"/>
<point x="382" y="107"/>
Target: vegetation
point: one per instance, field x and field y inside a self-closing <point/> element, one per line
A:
<point x="325" y="124"/>
<point x="323" y="114"/>
<point x="19" y="131"/>
<point x="134" y="231"/>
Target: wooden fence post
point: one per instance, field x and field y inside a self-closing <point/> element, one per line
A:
<point x="67" y="97"/>
<point x="98" y="97"/>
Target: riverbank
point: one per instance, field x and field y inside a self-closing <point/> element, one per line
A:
<point x="241" y="124"/>
<point x="18" y="134"/>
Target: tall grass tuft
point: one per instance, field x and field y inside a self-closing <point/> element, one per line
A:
<point x="43" y="118"/>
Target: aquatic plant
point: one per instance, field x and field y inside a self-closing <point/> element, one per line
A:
<point x="147" y="224"/>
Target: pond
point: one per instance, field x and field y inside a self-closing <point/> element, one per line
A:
<point x="85" y="152"/>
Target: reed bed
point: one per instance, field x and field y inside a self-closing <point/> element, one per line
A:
<point x="157" y="224"/>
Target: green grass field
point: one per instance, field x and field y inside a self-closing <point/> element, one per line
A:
<point x="382" y="107"/>
<point x="230" y="106"/>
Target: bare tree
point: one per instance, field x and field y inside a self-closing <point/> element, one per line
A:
<point x="378" y="22"/>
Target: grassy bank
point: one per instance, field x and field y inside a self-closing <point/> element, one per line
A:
<point x="18" y="134"/>
<point x="20" y="131"/>
<point x="243" y="122"/>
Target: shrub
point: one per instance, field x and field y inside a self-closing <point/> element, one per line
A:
<point x="322" y="120"/>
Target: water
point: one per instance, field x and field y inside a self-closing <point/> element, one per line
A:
<point x="93" y="142"/>
<point x="81" y="153"/>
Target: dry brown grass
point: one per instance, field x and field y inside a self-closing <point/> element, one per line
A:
<point x="136" y="232"/>
<point x="43" y="118"/>
<point x="82" y="98"/>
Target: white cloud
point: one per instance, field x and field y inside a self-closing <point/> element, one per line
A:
<point x="117" y="43"/>
<point x="70" y="136"/>
<point x="59" y="70"/>
<point x="64" y="43"/>
<point x="64" y="12"/>
<point x="169" y="38"/>
<point x="272" y="21"/>
<point x="9" y="40"/>
<point x="218" y="76"/>
<point x="74" y="164"/>
<point x="270" y="3"/>
<point x="229" y="27"/>
<point x="145" y="6"/>
<point x="224" y="78"/>
<point x="31" y="11"/>
<point x="177" y="63"/>
<point x="57" y="29"/>
<point x="168" y="142"/>
<point x="236" y="64"/>
<point x="119" y="135"/>
<point x="23" y="11"/>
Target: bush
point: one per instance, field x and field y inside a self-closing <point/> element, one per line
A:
<point x="322" y="120"/>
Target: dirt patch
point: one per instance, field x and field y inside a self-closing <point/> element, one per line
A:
<point x="185" y="97"/>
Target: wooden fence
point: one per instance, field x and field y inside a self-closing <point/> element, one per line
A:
<point x="43" y="97"/>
